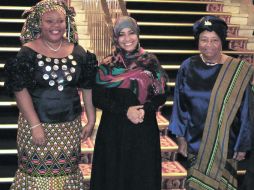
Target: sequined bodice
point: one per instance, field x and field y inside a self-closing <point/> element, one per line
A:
<point x="57" y="72"/>
<point x="53" y="83"/>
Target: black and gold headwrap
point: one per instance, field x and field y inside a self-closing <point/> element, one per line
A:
<point x="31" y="27"/>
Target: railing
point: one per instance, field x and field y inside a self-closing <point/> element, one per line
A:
<point x="100" y="16"/>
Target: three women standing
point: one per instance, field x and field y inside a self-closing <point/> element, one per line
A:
<point x="211" y="101"/>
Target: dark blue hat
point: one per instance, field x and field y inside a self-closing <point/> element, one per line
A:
<point x="211" y="23"/>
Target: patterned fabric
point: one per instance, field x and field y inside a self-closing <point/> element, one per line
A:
<point x="194" y="84"/>
<point x="229" y="175"/>
<point x="31" y="27"/>
<point x="145" y="80"/>
<point x="26" y="182"/>
<point x="59" y="72"/>
<point x="34" y="71"/>
<point x="138" y="70"/>
<point x="53" y="165"/>
<point x="225" y="100"/>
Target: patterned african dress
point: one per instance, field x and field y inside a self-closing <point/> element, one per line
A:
<point x="53" y="85"/>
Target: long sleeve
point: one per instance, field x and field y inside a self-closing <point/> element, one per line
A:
<point x="178" y="119"/>
<point x="159" y="73"/>
<point x="155" y="102"/>
<point x="103" y="98"/>
<point x="243" y="142"/>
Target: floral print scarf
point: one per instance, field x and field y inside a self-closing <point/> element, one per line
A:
<point x="138" y="71"/>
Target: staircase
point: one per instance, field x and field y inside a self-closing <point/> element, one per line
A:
<point x="166" y="30"/>
<point x="10" y="24"/>
<point x="173" y="173"/>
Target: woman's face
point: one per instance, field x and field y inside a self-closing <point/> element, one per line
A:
<point x="210" y="45"/>
<point x="53" y="26"/>
<point x="128" y="40"/>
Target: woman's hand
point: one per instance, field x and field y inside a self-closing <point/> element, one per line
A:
<point x="38" y="135"/>
<point x="136" y="114"/>
<point x="239" y="156"/>
<point x="90" y="113"/>
<point x="182" y="146"/>
<point x="86" y="132"/>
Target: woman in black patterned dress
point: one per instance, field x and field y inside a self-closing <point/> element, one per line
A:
<point x="45" y="77"/>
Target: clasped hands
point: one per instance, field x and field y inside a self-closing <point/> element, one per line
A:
<point x="136" y="114"/>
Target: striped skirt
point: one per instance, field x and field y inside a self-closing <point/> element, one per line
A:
<point x="229" y="174"/>
<point x="52" y="166"/>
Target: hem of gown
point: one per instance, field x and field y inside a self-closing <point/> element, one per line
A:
<point x="73" y="181"/>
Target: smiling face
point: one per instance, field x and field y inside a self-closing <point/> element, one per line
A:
<point x="53" y="26"/>
<point x="210" y="45"/>
<point x="128" y="40"/>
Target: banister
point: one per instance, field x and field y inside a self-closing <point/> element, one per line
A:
<point x="100" y="16"/>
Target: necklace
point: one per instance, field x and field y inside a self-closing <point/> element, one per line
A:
<point x="209" y="63"/>
<point x="50" y="46"/>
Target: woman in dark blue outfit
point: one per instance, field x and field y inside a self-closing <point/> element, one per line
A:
<point x="248" y="182"/>
<point x="210" y="112"/>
